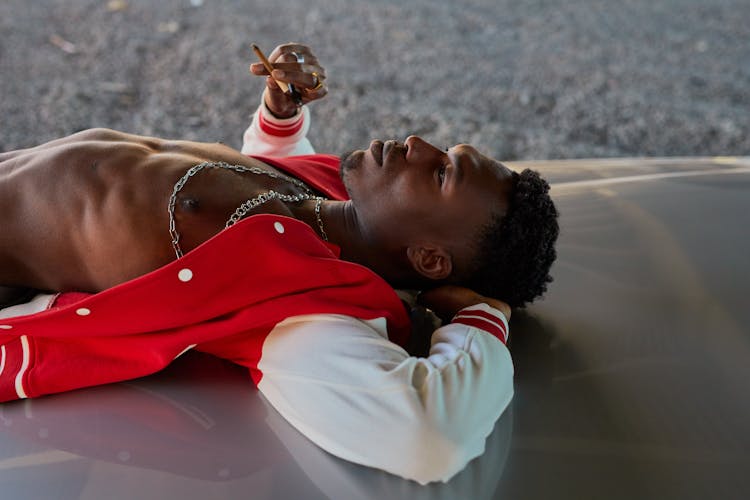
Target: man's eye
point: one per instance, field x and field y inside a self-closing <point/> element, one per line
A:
<point x="441" y="174"/>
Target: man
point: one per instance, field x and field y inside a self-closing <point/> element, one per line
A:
<point x="274" y="264"/>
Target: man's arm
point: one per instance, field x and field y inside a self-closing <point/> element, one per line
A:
<point x="357" y="395"/>
<point x="279" y="127"/>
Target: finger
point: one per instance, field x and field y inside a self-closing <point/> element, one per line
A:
<point x="306" y="68"/>
<point x="288" y="48"/>
<point x="447" y="300"/>
<point x="272" y="85"/>
<point x="309" y="95"/>
<point x="258" y="69"/>
<point x="437" y="300"/>
<point x="292" y="56"/>
<point x="288" y="58"/>
<point x="298" y="78"/>
<point x="445" y="292"/>
<point x="292" y="65"/>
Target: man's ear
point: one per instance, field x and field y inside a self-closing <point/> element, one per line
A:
<point x="433" y="262"/>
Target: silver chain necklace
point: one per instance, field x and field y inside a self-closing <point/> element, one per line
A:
<point x="247" y="205"/>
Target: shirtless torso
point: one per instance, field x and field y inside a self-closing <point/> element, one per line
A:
<point x="89" y="211"/>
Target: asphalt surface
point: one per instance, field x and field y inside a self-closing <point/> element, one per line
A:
<point x="522" y="80"/>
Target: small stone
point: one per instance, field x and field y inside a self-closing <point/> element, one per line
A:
<point x="116" y="5"/>
<point x="168" y="27"/>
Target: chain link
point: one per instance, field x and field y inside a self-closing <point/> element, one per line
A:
<point x="247" y="205"/>
<point x="252" y="203"/>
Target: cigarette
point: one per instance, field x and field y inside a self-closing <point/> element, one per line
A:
<point x="267" y="64"/>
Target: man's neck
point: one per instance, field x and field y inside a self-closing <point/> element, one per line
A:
<point x="343" y="228"/>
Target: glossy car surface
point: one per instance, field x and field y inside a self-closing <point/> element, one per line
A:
<point x="631" y="376"/>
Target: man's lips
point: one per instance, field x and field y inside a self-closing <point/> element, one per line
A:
<point x="376" y="149"/>
<point x="380" y="150"/>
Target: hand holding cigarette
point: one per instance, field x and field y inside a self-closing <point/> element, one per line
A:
<point x="294" y="78"/>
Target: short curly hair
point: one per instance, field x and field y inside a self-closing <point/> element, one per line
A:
<point x="516" y="250"/>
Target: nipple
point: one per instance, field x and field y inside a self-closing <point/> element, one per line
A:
<point x="190" y="204"/>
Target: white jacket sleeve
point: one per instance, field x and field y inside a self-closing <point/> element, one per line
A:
<point x="357" y="395"/>
<point x="271" y="136"/>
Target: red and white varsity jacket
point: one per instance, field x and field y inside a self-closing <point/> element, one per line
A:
<point x="322" y="338"/>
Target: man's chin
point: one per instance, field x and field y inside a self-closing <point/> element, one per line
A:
<point x="350" y="162"/>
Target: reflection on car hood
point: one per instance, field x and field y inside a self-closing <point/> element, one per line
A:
<point x="630" y="375"/>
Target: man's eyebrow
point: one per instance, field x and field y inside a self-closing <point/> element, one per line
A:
<point x="456" y="174"/>
<point x="451" y="154"/>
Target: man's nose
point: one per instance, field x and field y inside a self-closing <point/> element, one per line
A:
<point x="415" y="141"/>
<point x="420" y="147"/>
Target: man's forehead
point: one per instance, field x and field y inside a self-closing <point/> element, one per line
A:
<point x="483" y="159"/>
<point x="504" y="186"/>
<point x="493" y="180"/>
<point x="501" y="169"/>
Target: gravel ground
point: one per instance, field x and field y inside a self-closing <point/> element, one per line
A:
<point x="520" y="79"/>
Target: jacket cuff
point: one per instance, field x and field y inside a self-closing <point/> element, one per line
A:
<point x="485" y="318"/>
<point x="279" y="127"/>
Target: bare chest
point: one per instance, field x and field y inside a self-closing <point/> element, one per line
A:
<point x="212" y="196"/>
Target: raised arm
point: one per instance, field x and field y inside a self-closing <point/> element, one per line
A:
<point x="344" y="385"/>
<point x="280" y="125"/>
